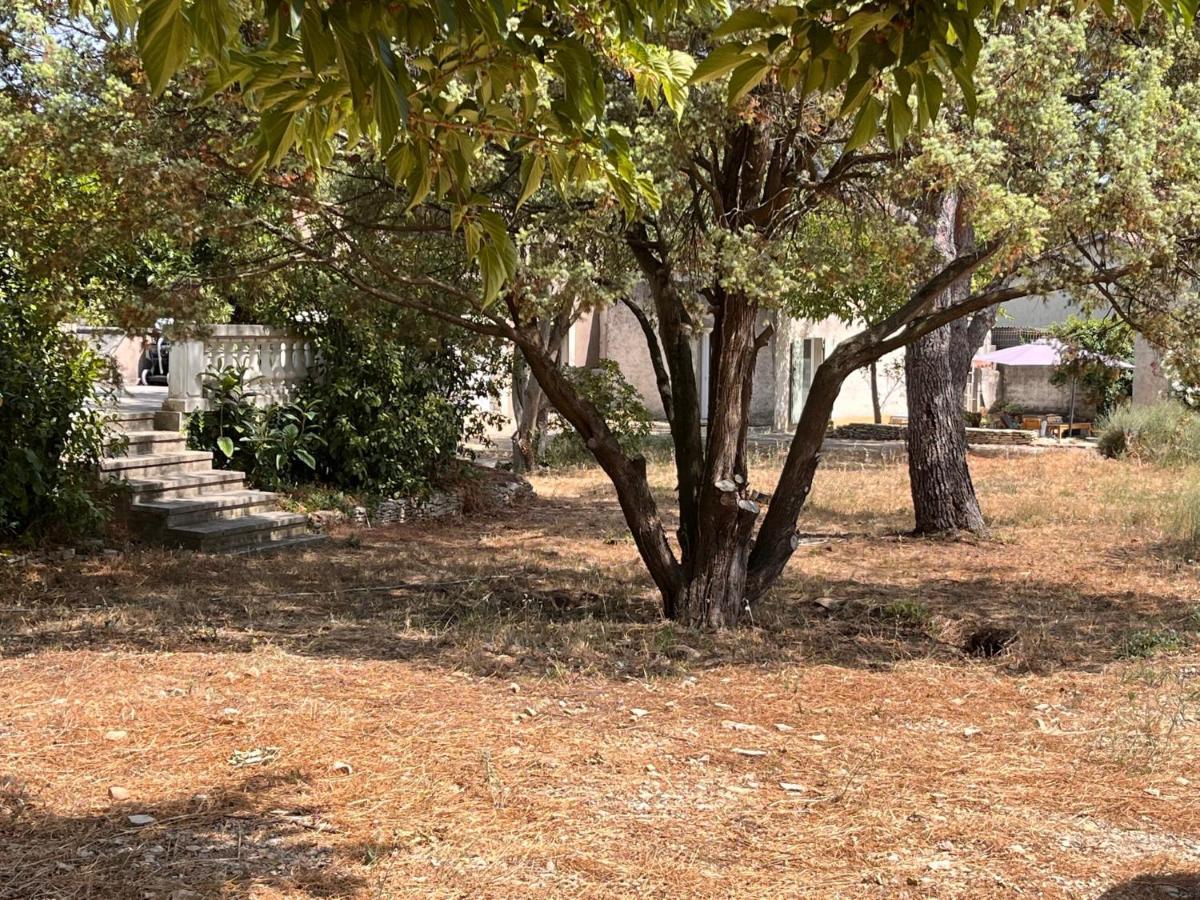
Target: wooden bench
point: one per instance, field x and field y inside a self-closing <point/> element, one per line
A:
<point x="1055" y="426"/>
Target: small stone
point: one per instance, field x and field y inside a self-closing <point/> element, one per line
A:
<point x="971" y="731"/>
<point x="780" y="726"/>
<point x="725" y="486"/>
<point x="817" y="737"/>
<point x="141" y="819"/>
<point x="829" y="604"/>
<point x="940" y="864"/>
<point x="530" y="711"/>
<point x="116" y="734"/>
<point x="514" y="688"/>
<point x="792" y="787"/>
<point x="638" y="713"/>
<point x="342" y="767"/>
<point x="738" y="726"/>
<point x="118" y="793"/>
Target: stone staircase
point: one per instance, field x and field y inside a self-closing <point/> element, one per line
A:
<point x="177" y="498"/>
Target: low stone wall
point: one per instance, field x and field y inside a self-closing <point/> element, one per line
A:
<point x="1005" y="436"/>
<point x="438" y="505"/>
<point x="488" y="489"/>
<point x="866" y="431"/>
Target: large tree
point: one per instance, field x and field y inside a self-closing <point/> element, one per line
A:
<point x="706" y="192"/>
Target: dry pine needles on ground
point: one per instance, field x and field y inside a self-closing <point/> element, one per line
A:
<point x="493" y="708"/>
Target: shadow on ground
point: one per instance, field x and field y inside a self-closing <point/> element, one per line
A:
<point x="1157" y="887"/>
<point x="216" y="843"/>
<point x="558" y="586"/>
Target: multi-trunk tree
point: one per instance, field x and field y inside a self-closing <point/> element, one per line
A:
<point x="707" y="192"/>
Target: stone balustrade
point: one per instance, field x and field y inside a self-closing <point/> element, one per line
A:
<point x="276" y="362"/>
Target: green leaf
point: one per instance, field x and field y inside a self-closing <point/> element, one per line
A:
<point x="866" y="125"/>
<point x="316" y="39"/>
<point x="721" y="60"/>
<point x="532" y="168"/>
<point x="746" y="77"/>
<point x="305" y="457"/>
<point x="225" y="445"/>
<point x="744" y="20"/>
<point x="164" y="40"/>
<point x="899" y="120"/>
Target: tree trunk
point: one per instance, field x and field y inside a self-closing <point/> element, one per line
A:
<point x="943" y="494"/>
<point x="875" y="407"/>
<point x="526" y="439"/>
<point x="714" y="594"/>
<point x="529" y="400"/>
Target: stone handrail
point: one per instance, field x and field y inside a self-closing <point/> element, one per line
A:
<point x="276" y="362"/>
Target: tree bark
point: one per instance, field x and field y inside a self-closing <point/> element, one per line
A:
<point x="529" y="400"/>
<point x="715" y="578"/>
<point x="943" y="494"/>
<point x="875" y="407"/>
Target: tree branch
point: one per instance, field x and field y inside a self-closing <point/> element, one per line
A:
<point x="661" y="377"/>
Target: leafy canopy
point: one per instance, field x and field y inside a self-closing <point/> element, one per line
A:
<point x="430" y="84"/>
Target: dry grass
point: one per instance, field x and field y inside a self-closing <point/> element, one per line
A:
<point x="516" y="721"/>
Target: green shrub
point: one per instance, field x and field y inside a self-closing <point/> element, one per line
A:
<point x="228" y="422"/>
<point x="391" y="415"/>
<point x="1165" y="432"/>
<point x="1087" y="346"/>
<point x="54" y="431"/>
<point x="275" y="446"/>
<point x="617" y="401"/>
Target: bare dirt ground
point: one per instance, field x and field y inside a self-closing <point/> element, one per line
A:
<point x="492" y="708"/>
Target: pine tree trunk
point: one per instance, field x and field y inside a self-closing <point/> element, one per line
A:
<point x="943" y="494"/>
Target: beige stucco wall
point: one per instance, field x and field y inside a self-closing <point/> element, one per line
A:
<point x="854" y="402"/>
<point x="620" y="338"/>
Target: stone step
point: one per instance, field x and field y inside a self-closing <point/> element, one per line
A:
<point x="148" y="466"/>
<point x="130" y="422"/>
<point x="257" y="530"/>
<point x="147" y="443"/>
<point x="174" y="511"/>
<point x="186" y="484"/>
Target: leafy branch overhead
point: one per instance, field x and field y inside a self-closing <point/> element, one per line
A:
<point x="430" y="84"/>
